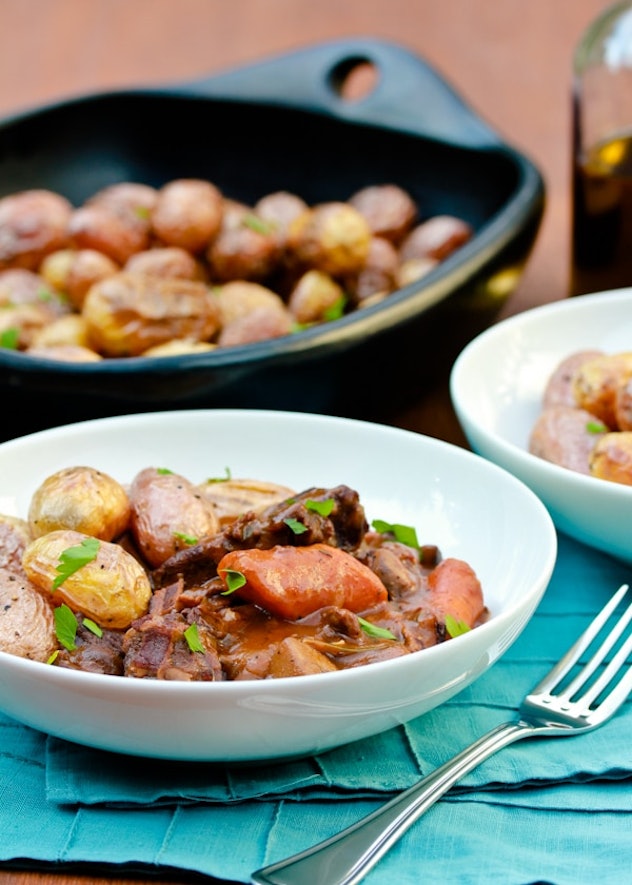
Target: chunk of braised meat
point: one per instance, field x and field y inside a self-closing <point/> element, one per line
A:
<point x="155" y="647"/>
<point x="402" y="569"/>
<point x="345" y="527"/>
<point x="95" y="654"/>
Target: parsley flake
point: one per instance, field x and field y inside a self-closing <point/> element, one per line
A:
<point x="373" y="630"/>
<point x="297" y="527"/>
<point x="93" y="627"/>
<point x="405" y="534"/>
<point x="454" y="627"/>
<point x="596" y="427"/>
<point x="65" y="626"/>
<point x="225" y="478"/>
<point x="192" y="636"/>
<point x="74" y="558"/>
<point x="188" y="539"/>
<point x="163" y="471"/>
<point x="9" y="338"/>
<point x="324" y="508"/>
<point x="233" y="580"/>
<point x="336" y="310"/>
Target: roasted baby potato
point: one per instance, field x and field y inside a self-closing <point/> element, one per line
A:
<point x="27" y="625"/>
<point x="595" y="384"/>
<point x="15" y="534"/>
<point x="82" y="499"/>
<point x="188" y="214"/>
<point x="313" y="296"/>
<point x="611" y="457"/>
<point x="33" y="223"/>
<point x="168" y="514"/>
<point x="566" y="436"/>
<point x="111" y="587"/>
<point x="389" y="210"/>
<point x="128" y="313"/>
<point x="333" y="237"/>
<point x="231" y="498"/>
<point x="559" y="390"/>
<point x="73" y="271"/>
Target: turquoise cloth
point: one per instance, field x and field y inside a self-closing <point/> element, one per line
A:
<point x="519" y="818"/>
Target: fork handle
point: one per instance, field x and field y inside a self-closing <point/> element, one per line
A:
<point x="344" y="859"/>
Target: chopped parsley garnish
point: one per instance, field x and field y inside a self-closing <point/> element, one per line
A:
<point x="405" y="534"/>
<point x="233" y="579"/>
<point x="192" y="637"/>
<point x="297" y="527"/>
<point x="90" y="625"/>
<point x="596" y="427"/>
<point x="454" y="627"/>
<point x="74" y="558"/>
<point x="336" y="310"/>
<point x="221" y="478"/>
<point x="65" y="626"/>
<point x="188" y="539"/>
<point x="373" y="630"/>
<point x="259" y="225"/>
<point x="324" y="508"/>
<point x="163" y="471"/>
<point x="9" y="338"/>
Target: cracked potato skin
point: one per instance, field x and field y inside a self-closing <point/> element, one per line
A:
<point x="113" y="589"/>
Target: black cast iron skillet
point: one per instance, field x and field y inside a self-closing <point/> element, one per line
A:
<point x="283" y="124"/>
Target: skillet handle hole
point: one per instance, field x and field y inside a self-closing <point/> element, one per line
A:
<point x="354" y="79"/>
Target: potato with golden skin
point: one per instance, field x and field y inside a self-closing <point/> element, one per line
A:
<point x="332" y="237"/>
<point x="67" y="330"/>
<point x="112" y="588"/>
<point x="128" y="313"/>
<point x="248" y="250"/>
<point x="611" y="458"/>
<point x="73" y="271"/>
<point x="27" y="624"/>
<point x="82" y="499"/>
<point x="233" y="497"/>
<point x="98" y="227"/>
<point x="314" y="294"/>
<point x="168" y="514"/>
<point x="166" y="262"/>
<point x="595" y="384"/>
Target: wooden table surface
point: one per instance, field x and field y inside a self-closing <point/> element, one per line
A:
<point x="510" y="60"/>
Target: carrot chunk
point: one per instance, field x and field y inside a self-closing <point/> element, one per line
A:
<point x="454" y="589"/>
<point x="292" y="582"/>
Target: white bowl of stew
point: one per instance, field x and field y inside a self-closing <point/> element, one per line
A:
<point x="471" y="510"/>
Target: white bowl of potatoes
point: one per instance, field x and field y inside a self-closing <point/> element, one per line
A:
<point x="535" y="394"/>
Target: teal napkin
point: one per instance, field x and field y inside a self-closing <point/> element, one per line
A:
<point x="519" y="818"/>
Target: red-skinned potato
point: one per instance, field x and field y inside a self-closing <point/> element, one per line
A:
<point x="168" y="514"/>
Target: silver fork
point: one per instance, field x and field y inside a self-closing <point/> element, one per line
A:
<point x="554" y="708"/>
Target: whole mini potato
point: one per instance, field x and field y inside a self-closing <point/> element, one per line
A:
<point x="73" y="271"/>
<point x="389" y="210"/>
<point x="27" y="625"/>
<point x="332" y="237"/>
<point x="98" y="227"/>
<point x="247" y="250"/>
<point x="437" y="237"/>
<point x="15" y="534"/>
<point x="63" y="331"/>
<point x="168" y="514"/>
<point x="33" y="223"/>
<point x="130" y="312"/>
<point x="233" y="497"/>
<point x="166" y="262"/>
<point x="82" y="499"/>
<point x="314" y="294"/>
<point x="111" y="586"/>
<point x="188" y="213"/>
<point x="611" y="458"/>
<point x="595" y="384"/>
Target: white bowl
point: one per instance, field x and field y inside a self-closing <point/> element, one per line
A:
<point x="469" y="507"/>
<point x="497" y="384"/>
